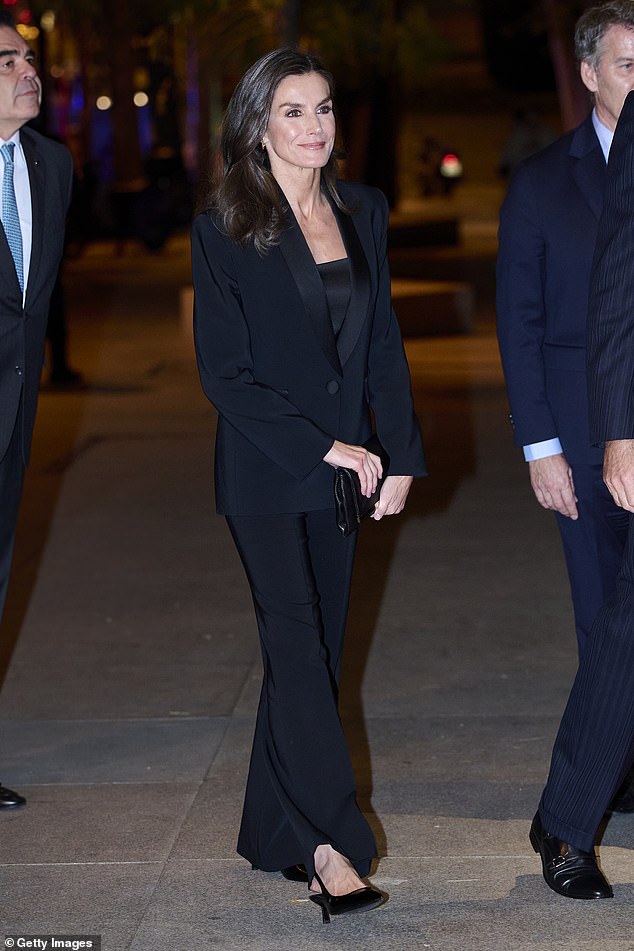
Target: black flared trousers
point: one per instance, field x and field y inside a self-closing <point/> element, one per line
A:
<point x="301" y="789"/>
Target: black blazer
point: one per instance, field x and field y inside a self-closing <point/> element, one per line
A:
<point x="283" y="387"/>
<point x="548" y="228"/>
<point x="23" y="327"/>
<point x="611" y="307"/>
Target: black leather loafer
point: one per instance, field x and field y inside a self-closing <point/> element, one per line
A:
<point x="295" y="873"/>
<point x="567" y="870"/>
<point x="10" y="799"/>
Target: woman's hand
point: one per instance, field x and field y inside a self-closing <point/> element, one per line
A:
<point x="394" y="493"/>
<point x="367" y="466"/>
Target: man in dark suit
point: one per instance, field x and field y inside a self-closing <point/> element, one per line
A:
<point x="548" y="227"/>
<point x="594" y="748"/>
<point x="36" y="185"/>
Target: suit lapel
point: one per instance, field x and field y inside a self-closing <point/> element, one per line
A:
<point x="8" y="274"/>
<point x="302" y="266"/>
<point x="589" y="165"/>
<point x="360" y="290"/>
<point x="310" y="286"/>
<point x="36" y="179"/>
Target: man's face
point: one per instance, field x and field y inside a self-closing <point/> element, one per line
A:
<point x="614" y="76"/>
<point x="20" y="87"/>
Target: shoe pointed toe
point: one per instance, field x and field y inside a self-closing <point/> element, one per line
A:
<point x="586" y="888"/>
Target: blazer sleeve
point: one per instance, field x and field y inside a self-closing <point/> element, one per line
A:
<point x="520" y="310"/>
<point x="610" y="327"/>
<point x="389" y="385"/>
<point x="221" y="334"/>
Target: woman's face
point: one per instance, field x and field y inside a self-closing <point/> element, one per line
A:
<point x="301" y="129"/>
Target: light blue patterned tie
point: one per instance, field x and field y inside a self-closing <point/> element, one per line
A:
<point x="10" y="216"/>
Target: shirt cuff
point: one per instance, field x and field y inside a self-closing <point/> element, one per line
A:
<point x="539" y="450"/>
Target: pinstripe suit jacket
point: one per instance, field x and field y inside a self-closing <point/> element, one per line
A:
<point x="610" y="343"/>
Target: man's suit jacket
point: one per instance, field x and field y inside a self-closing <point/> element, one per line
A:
<point x="283" y="387"/>
<point x="548" y="227"/>
<point x="611" y="306"/>
<point x="23" y="326"/>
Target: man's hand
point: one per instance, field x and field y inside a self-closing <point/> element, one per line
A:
<point x="618" y="472"/>
<point x="551" y="479"/>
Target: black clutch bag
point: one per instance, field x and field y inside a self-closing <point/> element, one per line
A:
<point x="350" y="506"/>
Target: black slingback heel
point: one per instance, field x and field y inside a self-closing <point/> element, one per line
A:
<point x="361" y="899"/>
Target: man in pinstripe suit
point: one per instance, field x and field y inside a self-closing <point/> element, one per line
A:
<point x="594" y="748"/>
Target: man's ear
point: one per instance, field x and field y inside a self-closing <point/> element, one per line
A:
<point x="588" y="75"/>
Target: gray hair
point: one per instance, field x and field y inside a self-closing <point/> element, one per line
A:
<point x="592" y="25"/>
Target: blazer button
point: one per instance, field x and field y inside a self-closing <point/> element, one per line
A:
<point x="18" y="371"/>
<point x="332" y="387"/>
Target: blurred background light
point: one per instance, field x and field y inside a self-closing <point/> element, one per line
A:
<point x="28" y="33"/>
<point x="47" y="21"/>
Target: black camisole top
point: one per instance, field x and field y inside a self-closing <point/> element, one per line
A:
<point x="337" y="284"/>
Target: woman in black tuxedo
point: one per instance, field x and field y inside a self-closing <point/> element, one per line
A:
<point x="297" y="345"/>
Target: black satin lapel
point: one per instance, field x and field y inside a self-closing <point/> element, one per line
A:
<point x="36" y="178"/>
<point x="360" y="291"/>
<point x="310" y="286"/>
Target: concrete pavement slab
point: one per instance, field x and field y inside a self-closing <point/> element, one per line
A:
<point x="102" y="822"/>
<point x="104" y="751"/>
<point x="103" y="898"/>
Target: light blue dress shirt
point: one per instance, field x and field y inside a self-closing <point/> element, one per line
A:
<point x="23" y="200"/>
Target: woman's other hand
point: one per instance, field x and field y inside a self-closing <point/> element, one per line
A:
<point x="367" y="466"/>
<point x="393" y="496"/>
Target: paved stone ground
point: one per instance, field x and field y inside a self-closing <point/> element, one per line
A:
<point x="127" y="707"/>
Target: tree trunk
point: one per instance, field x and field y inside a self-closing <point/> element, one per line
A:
<point x="128" y="166"/>
<point x="573" y="97"/>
